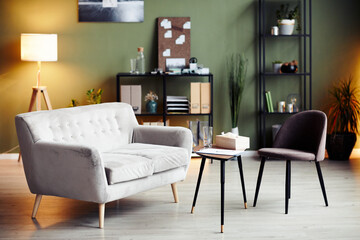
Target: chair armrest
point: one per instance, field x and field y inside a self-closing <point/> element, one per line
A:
<point x="169" y="136"/>
<point x="67" y="170"/>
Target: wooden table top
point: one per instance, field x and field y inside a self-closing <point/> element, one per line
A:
<point x="214" y="156"/>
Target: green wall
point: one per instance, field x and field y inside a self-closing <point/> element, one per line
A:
<point x="90" y="54"/>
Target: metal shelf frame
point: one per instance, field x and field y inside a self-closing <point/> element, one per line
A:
<point x="165" y="78"/>
<point x="305" y="76"/>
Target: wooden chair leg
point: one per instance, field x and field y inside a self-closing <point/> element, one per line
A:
<point x="101" y="214"/>
<point x="261" y="169"/>
<point x="174" y="191"/>
<point x="36" y="205"/>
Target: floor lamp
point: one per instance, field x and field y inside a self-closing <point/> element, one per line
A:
<point x="38" y="48"/>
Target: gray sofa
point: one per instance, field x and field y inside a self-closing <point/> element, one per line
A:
<point x="99" y="153"/>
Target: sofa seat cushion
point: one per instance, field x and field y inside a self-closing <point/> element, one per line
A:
<point x="123" y="167"/>
<point x="138" y="160"/>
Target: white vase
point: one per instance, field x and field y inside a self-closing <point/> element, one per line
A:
<point x="235" y="131"/>
<point x="286" y="26"/>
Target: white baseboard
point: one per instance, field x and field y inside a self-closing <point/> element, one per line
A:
<point x="7" y="156"/>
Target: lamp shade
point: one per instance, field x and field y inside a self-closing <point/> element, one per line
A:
<point x="39" y="47"/>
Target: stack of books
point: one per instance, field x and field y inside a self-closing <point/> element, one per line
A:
<point x="177" y="104"/>
<point x="269" y="104"/>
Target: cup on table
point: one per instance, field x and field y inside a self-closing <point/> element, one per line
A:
<point x="208" y="134"/>
<point x="133" y="65"/>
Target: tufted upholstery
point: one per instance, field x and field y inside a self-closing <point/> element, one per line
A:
<point x="105" y="128"/>
<point x="77" y="152"/>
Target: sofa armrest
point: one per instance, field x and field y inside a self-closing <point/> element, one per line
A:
<point x="169" y="136"/>
<point x="67" y="170"/>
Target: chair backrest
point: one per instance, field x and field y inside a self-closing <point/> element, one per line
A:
<point x="103" y="126"/>
<point x="305" y="131"/>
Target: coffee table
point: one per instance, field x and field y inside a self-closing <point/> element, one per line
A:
<point x="223" y="159"/>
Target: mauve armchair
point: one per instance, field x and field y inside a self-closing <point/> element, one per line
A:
<point x="301" y="138"/>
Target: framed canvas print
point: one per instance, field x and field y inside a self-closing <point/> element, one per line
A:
<point x="173" y="42"/>
<point x="111" y="10"/>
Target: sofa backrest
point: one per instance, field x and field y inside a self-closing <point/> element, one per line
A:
<point x="104" y="126"/>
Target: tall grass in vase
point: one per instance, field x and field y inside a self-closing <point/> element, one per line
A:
<point x="236" y="68"/>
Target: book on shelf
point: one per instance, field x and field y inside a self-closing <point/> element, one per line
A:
<point x="205" y="97"/>
<point x="195" y="97"/>
<point x="269" y="102"/>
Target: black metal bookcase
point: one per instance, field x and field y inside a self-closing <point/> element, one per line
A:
<point x="304" y="75"/>
<point x="165" y="78"/>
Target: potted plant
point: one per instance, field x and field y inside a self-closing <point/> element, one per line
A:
<point x="343" y="120"/>
<point x="276" y="66"/>
<point x="286" y="19"/>
<point x="94" y="97"/>
<point x="151" y="105"/>
<point x="236" y="68"/>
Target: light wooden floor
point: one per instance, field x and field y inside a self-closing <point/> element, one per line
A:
<point x="153" y="215"/>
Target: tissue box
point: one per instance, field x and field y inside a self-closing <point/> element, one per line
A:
<point x="234" y="143"/>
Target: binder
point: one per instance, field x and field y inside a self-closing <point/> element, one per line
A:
<point x="131" y="94"/>
<point x="125" y="94"/>
<point x="205" y="98"/>
<point x="195" y="97"/>
<point x="136" y="98"/>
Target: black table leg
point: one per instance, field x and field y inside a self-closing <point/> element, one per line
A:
<point x="287" y="186"/>
<point x="261" y="169"/>
<point x="242" y="180"/>
<point x="198" y="182"/>
<point x="222" y="193"/>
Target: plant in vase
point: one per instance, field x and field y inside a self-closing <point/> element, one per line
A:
<point x="151" y="105"/>
<point x="236" y="68"/>
<point x="286" y="19"/>
<point x="276" y="66"/>
<point x="344" y="115"/>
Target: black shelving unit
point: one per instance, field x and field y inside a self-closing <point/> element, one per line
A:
<point x="165" y="78"/>
<point x="305" y="76"/>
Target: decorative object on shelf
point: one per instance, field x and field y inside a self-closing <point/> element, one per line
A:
<point x="294" y="99"/>
<point x="289" y="67"/>
<point x="344" y="116"/>
<point x="290" y="108"/>
<point x="111" y="11"/>
<point x="281" y="106"/>
<point x="236" y="69"/>
<point x="94" y="97"/>
<point x="208" y="135"/>
<point x="140" y="61"/>
<point x="151" y="105"/>
<point x="276" y="66"/>
<point x="286" y="19"/>
<point x="133" y="66"/>
<point x="275" y="30"/>
<point x="173" y="42"/>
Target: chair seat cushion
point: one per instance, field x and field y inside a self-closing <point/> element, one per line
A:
<point x="139" y="160"/>
<point x="286" y="154"/>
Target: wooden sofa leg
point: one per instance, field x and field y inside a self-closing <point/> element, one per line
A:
<point x="36" y="205"/>
<point x="101" y="214"/>
<point x="175" y="193"/>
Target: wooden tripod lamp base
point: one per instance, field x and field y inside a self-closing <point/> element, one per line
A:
<point x="36" y="97"/>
